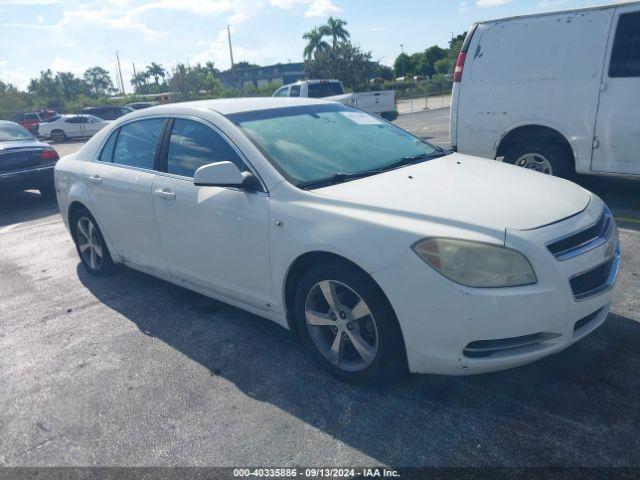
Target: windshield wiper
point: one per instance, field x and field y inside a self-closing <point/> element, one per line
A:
<point x="340" y="177"/>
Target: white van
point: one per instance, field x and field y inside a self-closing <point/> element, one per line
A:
<point x="554" y="92"/>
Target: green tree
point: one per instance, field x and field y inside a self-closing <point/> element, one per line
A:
<point x="334" y="28"/>
<point x="444" y="66"/>
<point x="403" y="65"/>
<point x="315" y="43"/>
<point x="71" y="85"/>
<point x="12" y="100"/>
<point x="46" y="90"/>
<point x="99" y="81"/>
<point x="346" y="62"/>
<point x="156" y="71"/>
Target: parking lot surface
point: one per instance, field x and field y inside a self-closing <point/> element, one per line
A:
<point x="130" y="370"/>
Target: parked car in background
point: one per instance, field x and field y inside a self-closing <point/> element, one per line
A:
<point x="107" y="112"/>
<point x="380" y="250"/>
<point x="29" y="120"/>
<point x="554" y="92"/>
<point x="72" y="126"/>
<point x="25" y="163"/>
<point x="140" y="105"/>
<point x="382" y="103"/>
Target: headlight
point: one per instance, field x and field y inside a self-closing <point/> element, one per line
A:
<point x="476" y="264"/>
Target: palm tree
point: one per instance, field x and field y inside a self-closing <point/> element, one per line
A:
<point x="315" y="42"/>
<point x="156" y="71"/>
<point x="334" y="28"/>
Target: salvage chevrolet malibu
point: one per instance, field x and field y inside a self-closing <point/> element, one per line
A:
<point x="383" y="252"/>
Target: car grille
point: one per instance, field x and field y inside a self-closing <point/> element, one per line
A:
<point x="485" y="348"/>
<point x="584" y="240"/>
<point x="16" y="159"/>
<point x="583" y="322"/>
<point x="597" y="280"/>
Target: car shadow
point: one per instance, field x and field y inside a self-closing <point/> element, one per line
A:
<point x="575" y="408"/>
<point x="18" y="207"/>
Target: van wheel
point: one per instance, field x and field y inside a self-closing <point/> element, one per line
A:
<point x="348" y="324"/>
<point x="549" y="158"/>
<point x="90" y="244"/>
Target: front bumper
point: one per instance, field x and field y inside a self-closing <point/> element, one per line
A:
<point x="27" y="178"/>
<point x="454" y="330"/>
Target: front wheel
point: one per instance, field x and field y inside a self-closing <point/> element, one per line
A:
<point x="90" y="245"/>
<point x="346" y="321"/>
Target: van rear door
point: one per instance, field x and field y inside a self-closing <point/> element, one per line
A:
<point x="617" y="130"/>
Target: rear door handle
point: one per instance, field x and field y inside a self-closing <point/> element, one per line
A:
<point x="95" y="179"/>
<point x="165" y="193"/>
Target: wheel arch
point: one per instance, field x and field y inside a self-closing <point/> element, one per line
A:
<point x="302" y="264"/>
<point x="78" y="205"/>
<point x="530" y="131"/>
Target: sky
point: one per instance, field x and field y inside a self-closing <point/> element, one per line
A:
<point x="73" y="35"/>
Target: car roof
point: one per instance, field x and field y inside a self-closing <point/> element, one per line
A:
<point x="227" y="106"/>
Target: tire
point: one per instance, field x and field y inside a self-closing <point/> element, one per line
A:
<point x="48" y="191"/>
<point x="86" y="236"/>
<point x="551" y="158"/>
<point x="58" y="136"/>
<point x="377" y="333"/>
<point x="389" y="116"/>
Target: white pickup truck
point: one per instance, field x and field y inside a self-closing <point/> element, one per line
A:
<point x="381" y="103"/>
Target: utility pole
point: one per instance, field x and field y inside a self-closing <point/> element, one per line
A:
<point x="233" y="71"/>
<point x="117" y="78"/>
<point x="404" y="73"/>
<point x="120" y="72"/>
<point x="135" y="78"/>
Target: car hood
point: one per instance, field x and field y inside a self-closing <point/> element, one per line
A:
<point x="13" y="144"/>
<point x="469" y="190"/>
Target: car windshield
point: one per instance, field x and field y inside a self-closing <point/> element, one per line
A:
<point x="317" y="143"/>
<point x="12" y="132"/>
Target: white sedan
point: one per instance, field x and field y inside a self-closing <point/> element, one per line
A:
<point x="63" y="127"/>
<point x="383" y="252"/>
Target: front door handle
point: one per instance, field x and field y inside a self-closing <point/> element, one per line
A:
<point x="165" y="193"/>
<point x="95" y="179"/>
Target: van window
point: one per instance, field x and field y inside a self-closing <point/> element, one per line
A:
<point x="625" y="56"/>
<point x="193" y="145"/>
<point x="137" y="141"/>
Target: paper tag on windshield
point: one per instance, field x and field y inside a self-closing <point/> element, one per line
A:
<point x="362" y="118"/>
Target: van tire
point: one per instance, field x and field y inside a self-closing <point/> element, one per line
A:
<point x="551" y="158"/>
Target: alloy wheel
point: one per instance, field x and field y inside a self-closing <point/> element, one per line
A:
<point x="89" y="243"/>
<point x="341" y="325"/>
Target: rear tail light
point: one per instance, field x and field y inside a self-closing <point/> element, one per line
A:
<point x="49" y="155"/>
<point x="457" y="74"/>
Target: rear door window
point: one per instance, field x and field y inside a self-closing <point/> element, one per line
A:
<point x="625" y="56"/>
<point x="107" y="151"/>
<point x="137" y="143"/>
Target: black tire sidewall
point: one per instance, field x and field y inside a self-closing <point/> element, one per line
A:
<point x="107" y="267"/>
<point x="58" y="135"/>
<point x="390" y="359"/>
<point x="556" y="154"/>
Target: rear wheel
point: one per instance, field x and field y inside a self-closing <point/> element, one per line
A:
<point x="548" y="158"/>
<point x="347" y="323"/>
<point x="58" y="136"/>
<point x="90" y="244"/>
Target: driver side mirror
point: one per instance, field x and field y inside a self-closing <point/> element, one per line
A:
<point x="225" y="174"/>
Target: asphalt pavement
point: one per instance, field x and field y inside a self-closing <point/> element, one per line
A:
<point x="130" y="370"/>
